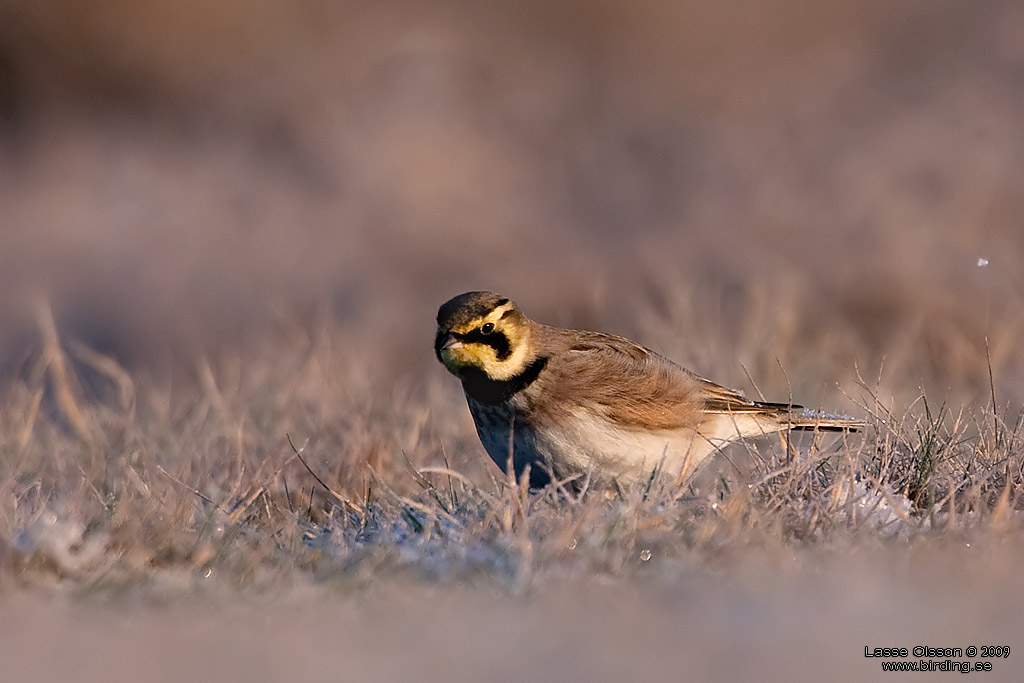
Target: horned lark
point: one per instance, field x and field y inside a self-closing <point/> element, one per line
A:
<point x="570" y="402"/>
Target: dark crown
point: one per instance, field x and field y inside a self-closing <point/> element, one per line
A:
<point x="465" y="308"/>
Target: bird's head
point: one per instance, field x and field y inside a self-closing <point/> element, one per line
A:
<point x="482" y="332"/>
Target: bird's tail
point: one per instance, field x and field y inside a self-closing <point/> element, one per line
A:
<point x="800" y="418"/>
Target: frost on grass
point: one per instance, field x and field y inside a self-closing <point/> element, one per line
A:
<point x="432" y="528"/>
<point x="62" y="543"/>
<point x="878" y="508"/>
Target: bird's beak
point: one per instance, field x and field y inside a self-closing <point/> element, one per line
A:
<point x="445" y="341"/>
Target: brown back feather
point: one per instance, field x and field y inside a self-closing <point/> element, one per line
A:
<point x="629" y="384"/>
<point x="639" y="388"/>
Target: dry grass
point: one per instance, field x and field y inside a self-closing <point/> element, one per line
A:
<point x="297" y="469"/>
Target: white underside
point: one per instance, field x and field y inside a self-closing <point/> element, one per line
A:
<point x="588" y="442"/>
<point x="584" y="443"/>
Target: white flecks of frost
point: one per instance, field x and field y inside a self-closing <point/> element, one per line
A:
<point x="881" y="508"/>
<point x="63" y="541"/>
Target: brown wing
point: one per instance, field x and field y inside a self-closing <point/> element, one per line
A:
<point x="636" y="387"/>
<point x="719" y="399"/>
<point x="632" y="385"/>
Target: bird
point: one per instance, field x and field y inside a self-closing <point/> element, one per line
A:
<point x="570" y="406"/>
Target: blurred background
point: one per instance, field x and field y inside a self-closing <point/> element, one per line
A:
<point x="785" y="185"/>
<point x="269" y="199"/>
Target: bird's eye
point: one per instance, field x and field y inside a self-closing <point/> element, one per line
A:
<point x="487" y="328"/>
